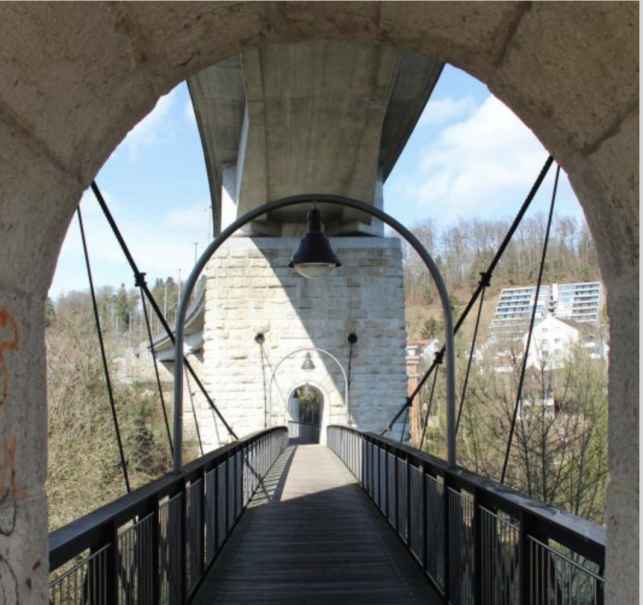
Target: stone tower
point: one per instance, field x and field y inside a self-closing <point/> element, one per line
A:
<point x="252" y="291"/>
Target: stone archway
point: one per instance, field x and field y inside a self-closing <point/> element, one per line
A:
<point x="307" y="404"/>
<point x="76" y="77"/>
<point x="308" y="412"/>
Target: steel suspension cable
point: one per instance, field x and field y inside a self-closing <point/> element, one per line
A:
<point x="264" y="361"/>
<point x="108" y="381"/>
<point x="156" y="369"/>
<point x="406" y="419"/>
<point x="216" y="426"/>
<point x="273" y="378"/>
<point x="150" y="297"/>
<point x="428" y="409"/>
<point x="532" y="321"/>
<point x="196" y="420"/>
<point x="490" y="269"/>
<point x="485" y="277"/>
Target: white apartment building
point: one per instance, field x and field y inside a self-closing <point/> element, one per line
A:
<point x="577" y="302"/>
<point x="515" y="307"/>
<point x="581" y="302"/>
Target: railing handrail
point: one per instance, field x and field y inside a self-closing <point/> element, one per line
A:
<point x="588" y="538"/>
<point x="75" y="537"/>
<point x="224" y="450"/>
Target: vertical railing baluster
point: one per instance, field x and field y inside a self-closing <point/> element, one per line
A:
<point x="376" y="474"/>
<point x="423" y="512"/>
<point x="235" y="491"/>
<point x="397" y="492"/>
<point x="183" y="542"/>
<point x="447" y="546"/>
<point x="477" y="547"/>
<point x="369" y="465"/>
<point x="245" y="473"/>
<point x="217" y="506"/>
<point x="155" y="546"/>
<point x="111" y="579"/>
<point x="229" y="490"/>
<point x="202" y="524"/>
<point x="371" y="447"/>
<point x="524" y="570"/>
<point x="240" y="477"/>
<point x="408" y="501"/>
<point x="387" y="488"/>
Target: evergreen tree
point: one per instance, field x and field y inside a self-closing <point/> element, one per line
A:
<point x="122" y="308"/>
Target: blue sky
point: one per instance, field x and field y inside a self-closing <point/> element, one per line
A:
<point x="468" y="156"/>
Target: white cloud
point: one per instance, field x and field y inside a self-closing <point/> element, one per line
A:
<point x="482" y="166"/>
<point x="97" y="231"/>
<point x="167" y="244"/>
<point x="160" y="246"/>
<point x="446" y="109"/>
<point x="152" y="129"/>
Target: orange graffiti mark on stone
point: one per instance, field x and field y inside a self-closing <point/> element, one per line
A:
<point x="8" y="472"/>
<point x="6" y="320"/>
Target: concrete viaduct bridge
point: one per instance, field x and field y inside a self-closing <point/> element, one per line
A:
<point x="77" y="77"/>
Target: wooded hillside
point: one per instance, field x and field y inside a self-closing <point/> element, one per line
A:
<point x="463" y="249"/>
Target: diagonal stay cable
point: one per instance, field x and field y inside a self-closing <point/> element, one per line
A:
<point x="102" y="352"/>
<point x="496" y="259"/>
<point x="406" y="419"/>
<point x="156" y="368"/>
<point x="532" y="321"/>
<point x="428" y="409"/>
<point x="196" y="420"/>
<point x="150" y="297"/>
<point x="216" y="425"/>
<point x="485" y="278"/>
<point x="265" y="388"/>
<point x="273" y="378"/>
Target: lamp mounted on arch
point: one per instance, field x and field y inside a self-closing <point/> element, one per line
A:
<point x="314" y="258"/>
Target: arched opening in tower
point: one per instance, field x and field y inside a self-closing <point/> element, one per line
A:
<point x="306" y="407"/>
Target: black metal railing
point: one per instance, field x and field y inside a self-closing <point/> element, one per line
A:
<point x="154" y="546"/>
<point x="477" y="541"/>
<point x="303" y="432"/>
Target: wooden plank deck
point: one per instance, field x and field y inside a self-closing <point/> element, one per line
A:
<point x="313" y="537"/>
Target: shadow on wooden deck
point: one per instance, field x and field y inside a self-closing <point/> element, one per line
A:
<point x="312" y="536"/>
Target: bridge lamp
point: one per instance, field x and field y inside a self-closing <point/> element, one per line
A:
<point x="308" y="364"/>
<point x="314" y="258"/>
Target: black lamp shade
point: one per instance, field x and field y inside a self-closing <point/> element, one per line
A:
<point x="314" y="257"/>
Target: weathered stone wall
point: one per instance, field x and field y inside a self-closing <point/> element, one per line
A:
<point x="251" y="290"/>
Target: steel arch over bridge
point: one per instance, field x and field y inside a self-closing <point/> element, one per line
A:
<point x="334" y="200"/>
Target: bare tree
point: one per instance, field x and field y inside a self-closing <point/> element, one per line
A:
<point x="84" y="469"/>
<point x="558" y="452"/>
